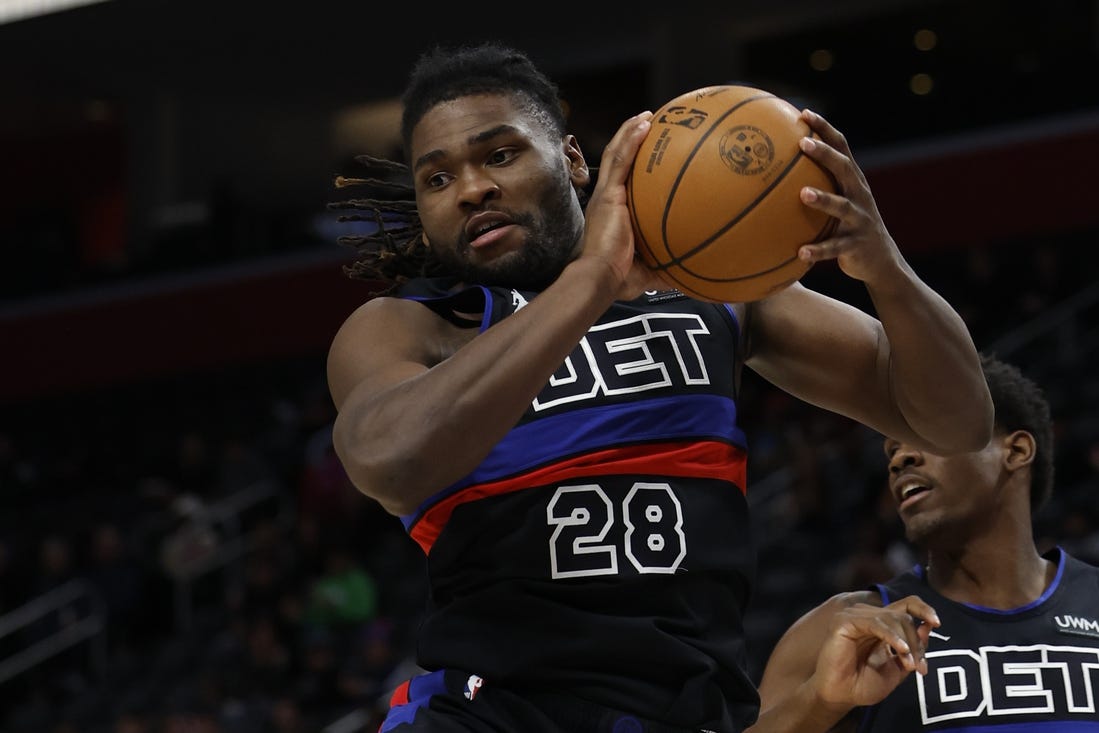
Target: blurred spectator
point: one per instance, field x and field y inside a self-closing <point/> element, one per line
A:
<point x="193" y="543"/>
<point x="285" y="716"/>
<point x="131" y="721"/>
<point x="195" y="468"/>
<point x="344" y="598"/>
<point x="316" y="687"/>
<point x="326" y="492"/>
<point x="120" y="579"/>
<point x="365" y="676"/>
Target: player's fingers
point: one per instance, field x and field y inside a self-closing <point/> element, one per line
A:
<point x="829" y="249"/>
<point x="847" y="175"/>
<point x="888" y="628"/>
<point x="619" y="153"/>
<point x="827" y="132"/>
<point x="832" y="204"/>
<point x="918" y="608"/>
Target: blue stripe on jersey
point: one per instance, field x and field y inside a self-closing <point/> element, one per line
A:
<point x="918" y="570"/>
<point x="431" y="300"/>
<point x="1042" y="726"/>
<point x="1037" y="601"/>
<point x="420" y="691"/>
<point x="577" y="432"/>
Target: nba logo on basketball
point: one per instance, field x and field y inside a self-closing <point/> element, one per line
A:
<point x="472" y="685"/>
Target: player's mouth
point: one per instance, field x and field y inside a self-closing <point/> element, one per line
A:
<point x="910" y="489"/>
<point x="487" y="228"/>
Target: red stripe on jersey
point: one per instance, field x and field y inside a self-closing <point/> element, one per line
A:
<point x="701" y="459"/>
<point x="400" y="695"/>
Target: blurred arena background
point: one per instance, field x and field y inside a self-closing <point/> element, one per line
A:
<point x="172" y="518"/>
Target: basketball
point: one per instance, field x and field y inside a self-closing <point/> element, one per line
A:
<point x="714" y="194"/>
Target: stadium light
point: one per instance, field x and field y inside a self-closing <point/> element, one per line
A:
<point x="13" y="10"/>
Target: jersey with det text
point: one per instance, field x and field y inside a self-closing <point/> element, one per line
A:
<point x="602" y="549"/>
<point x="1034" y="668"/>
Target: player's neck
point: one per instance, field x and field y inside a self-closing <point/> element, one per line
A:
<point x="994" y="573"/>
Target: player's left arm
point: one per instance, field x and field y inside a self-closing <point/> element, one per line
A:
<point x="912" y="371"/>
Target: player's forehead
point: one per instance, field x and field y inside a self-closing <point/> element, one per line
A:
<point x="455" y="123"/>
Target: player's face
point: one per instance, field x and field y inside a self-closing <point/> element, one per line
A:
<point x="497" y="192"/>
<point x="944" y="499"/>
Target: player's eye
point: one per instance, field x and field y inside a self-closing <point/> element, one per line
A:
<point x="501" y="156"/>
<point x="435" y="180"/>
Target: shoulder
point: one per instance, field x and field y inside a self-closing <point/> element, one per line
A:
<point x="384" y="312"/>
<point x="386" y="334"/>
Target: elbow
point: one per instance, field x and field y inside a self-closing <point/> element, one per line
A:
<point x="980" y="422"/>
<point x="378" y="471"/>
<point x="967" y="429"/>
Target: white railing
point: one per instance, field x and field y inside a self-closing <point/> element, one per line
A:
<point x="221" y="523"/>
<point x="91" y="627"/>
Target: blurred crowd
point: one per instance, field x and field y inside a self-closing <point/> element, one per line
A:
<point x="243" y="585"/>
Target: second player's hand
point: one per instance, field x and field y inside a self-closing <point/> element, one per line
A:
<point x="870" y="650"/>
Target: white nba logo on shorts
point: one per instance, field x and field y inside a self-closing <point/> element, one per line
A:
<point x="472" y="685"/>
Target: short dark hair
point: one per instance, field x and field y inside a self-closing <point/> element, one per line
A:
<point x="1021" y="404"/>
<point x="443" y="73"/>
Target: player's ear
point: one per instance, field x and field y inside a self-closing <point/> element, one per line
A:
<point x="578" y="166"/>
<point x="423" y="238"/>
<point x="1020" y="449"/>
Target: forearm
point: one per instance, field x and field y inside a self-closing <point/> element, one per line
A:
<point x="405" y="443"/>
<point x="934" y="372"/>
<point x="803" y="711"/>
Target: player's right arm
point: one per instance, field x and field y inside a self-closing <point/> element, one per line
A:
<point x="845" y="653"/>
<point x="421" y="402"/>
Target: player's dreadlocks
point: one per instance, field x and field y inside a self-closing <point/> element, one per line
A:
<point x="394" y="251"/>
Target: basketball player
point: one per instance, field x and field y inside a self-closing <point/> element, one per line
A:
<point x="1017" y="644"/>
<point x="557" y="429"/>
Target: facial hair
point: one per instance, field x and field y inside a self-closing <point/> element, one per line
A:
<point x="552" y="235"/>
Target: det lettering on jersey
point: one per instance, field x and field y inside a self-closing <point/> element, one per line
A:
<point x="618" y="358"/>
<point x="997" y="682"/>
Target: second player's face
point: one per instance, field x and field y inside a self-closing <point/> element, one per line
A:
<point x="944" y="498"/>
<point x="495" y="191"/>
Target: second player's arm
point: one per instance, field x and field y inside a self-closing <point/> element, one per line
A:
<point x="847" y="652"/>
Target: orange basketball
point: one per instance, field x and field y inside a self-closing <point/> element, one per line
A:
<point x="714" y="194"/>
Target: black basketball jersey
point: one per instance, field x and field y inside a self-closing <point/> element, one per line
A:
<point x="1034" y="668"/>
<point x="602" y="549"/>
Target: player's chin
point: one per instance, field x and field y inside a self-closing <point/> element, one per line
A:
<point x="919" y="530"/>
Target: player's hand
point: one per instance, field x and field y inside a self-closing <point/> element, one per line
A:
<point x="861" y="243"/>
<point x="608" y="232"/>
<point x="869" y="650"/>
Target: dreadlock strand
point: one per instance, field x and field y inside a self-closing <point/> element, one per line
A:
<point x="394" y="252"/>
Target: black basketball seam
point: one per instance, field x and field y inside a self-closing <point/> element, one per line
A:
<point x="686" y="164"/>
<point x="731" y="223"/>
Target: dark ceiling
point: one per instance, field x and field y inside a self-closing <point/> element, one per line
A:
<point x="153" y="109"/>
<point x="995" y="61"/>
<point x="176" y="137"/>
